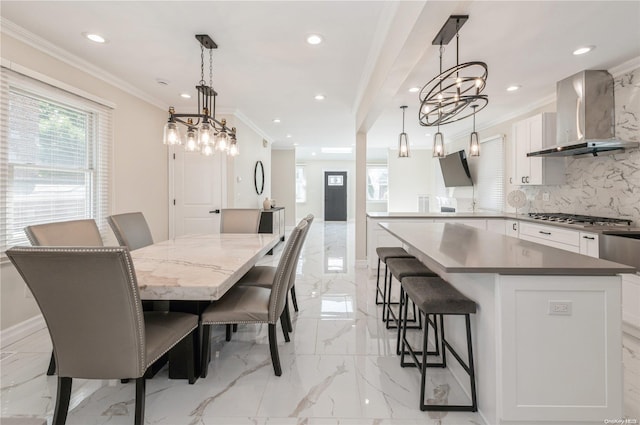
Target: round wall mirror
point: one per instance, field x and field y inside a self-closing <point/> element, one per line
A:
<point x="258" y="177"/>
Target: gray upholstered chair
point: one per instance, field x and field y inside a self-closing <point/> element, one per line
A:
<point x="131" y="230"/>
<point x="90" y="302"/>
<point x="255" y="304"/>
<point x="239" y="220"/>
<point x="263" y="275"/>
<point x="64" y="233"/>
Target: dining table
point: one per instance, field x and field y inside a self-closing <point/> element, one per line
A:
<point x="191" y="271"/>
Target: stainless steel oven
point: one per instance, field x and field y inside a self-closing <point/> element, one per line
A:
<point x="621" y="246"/>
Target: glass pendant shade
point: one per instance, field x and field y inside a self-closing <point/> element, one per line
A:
<point x="221" y="141"/>
<point x="403" y="145"/>
<point x="191" y="144"/>
<point x="438" y="145"/>
<point x="233" y="148"/>
<point x="474" y="145"/>
<point x="207" y="150"/>
<point x="403" y="139"/>
<point x="206" y="134"/>
<point x="171" y="134"/>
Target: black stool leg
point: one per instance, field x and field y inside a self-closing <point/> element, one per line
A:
<point x="378" y="292"/>
<point x="384" y="294"/>
<point x="472" y="371"/>
<point x="423" y="367"/>
<point x="52" y="366"/>
<point x="62" y="401"/>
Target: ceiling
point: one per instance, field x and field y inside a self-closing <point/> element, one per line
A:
<point x="372" y="53"/>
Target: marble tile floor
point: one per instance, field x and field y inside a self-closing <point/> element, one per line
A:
<point x="340" y="367"/>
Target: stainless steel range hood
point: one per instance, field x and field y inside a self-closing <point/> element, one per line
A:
<point x="585" y="117"/>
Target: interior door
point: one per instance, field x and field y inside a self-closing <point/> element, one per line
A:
<point x="197" y="192"/>
<point x="335" y="196"/>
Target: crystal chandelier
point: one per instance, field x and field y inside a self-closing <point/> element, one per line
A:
<point x="204" y="132"/>
<point x="446" y="98"/>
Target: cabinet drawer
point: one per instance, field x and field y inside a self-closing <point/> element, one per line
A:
<point x="550" y="233"/>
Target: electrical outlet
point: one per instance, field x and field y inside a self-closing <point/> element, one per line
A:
<point x="560" y="308"/>
<point x="545" y="196"/>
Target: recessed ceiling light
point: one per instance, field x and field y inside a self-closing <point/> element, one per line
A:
<point x="314" y="39"/>
<point x="276" y="120"/>
<point x="582" y="50"/>
<point x="295" y="144"/>
<point x="96" y="38"/>
<point x="414" y="89"/>
<point x="288" y="136"/>
<point x="428" y="134"/>
<point x="313" y="154"/>
<point x="513" y="87"/>
<point x="319" y="97"/>
<point x="185" y="95"/>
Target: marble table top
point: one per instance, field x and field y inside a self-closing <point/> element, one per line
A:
<point x="198" y="267"/>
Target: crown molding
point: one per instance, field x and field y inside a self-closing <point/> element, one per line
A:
<point x="247" y="121"/>
<point x="625" y="67"/>
<point x="15" y="31"/>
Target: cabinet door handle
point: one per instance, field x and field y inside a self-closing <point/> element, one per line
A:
<point x="214" y="212"/>
<point x="511" y="180"/>
<point x="544" y="233"/>
<point x="527" y="179"/>
<point x="591" y="238"/>
<point x="522" y="179"/>
<point x="514" y="226"/>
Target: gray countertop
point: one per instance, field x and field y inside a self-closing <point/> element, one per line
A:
<point x="497" y="215"/>
<point x="463" y="249"/>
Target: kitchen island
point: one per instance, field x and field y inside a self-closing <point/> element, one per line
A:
<point x="547" y="334"/>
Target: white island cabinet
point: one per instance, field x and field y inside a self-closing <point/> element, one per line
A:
<point x="547" y="333"/>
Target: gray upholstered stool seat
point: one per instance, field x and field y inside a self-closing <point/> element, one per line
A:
<point x="384" y="253"/>
<point x="401" y="268"/>
<point x="436" y="297"/>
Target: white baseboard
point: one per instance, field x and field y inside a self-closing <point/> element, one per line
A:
<point x="361" y="264"/>
<point x="23" y="329"/>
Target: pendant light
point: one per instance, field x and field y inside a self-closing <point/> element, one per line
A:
<point x="438" y="144"/>
<point x="445" y="98"/>
<point x="204" y="132"/>
<point x="403" y="139"/>
<point x="474" y="144"/>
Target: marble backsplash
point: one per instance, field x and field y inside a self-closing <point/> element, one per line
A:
<point x="606" y="186"/>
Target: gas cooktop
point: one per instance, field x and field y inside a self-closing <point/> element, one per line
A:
<point x="580" y="219"/>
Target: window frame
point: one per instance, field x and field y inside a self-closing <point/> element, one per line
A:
<point x="94" y="169"/>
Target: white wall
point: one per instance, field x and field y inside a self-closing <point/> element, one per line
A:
<point x="241" y="191"/>
<point x="314" y="171"/>
<point x="283" y="182"/>
<point x="139" y="161"/>
<point x="408" y="178"/>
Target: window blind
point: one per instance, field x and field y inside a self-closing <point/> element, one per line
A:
<point x="490" y="179"/>
<point x="55" y="155"/>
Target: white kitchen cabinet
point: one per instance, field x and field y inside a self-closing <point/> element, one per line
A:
<point x="529" y="135"/>
<point x="556" y="237"/>
<point x="511" y="228"/>
<point x="589" y="244"/>
<point x="631" y="300"/>
<point x="496" y="225"/>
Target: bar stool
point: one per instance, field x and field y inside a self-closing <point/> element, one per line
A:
<point x="384" y="253"/>
<point x="433" y="295"/>
<point x="401" y="268"/>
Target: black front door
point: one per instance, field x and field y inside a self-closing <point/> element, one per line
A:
<point x="335" y="196"/>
